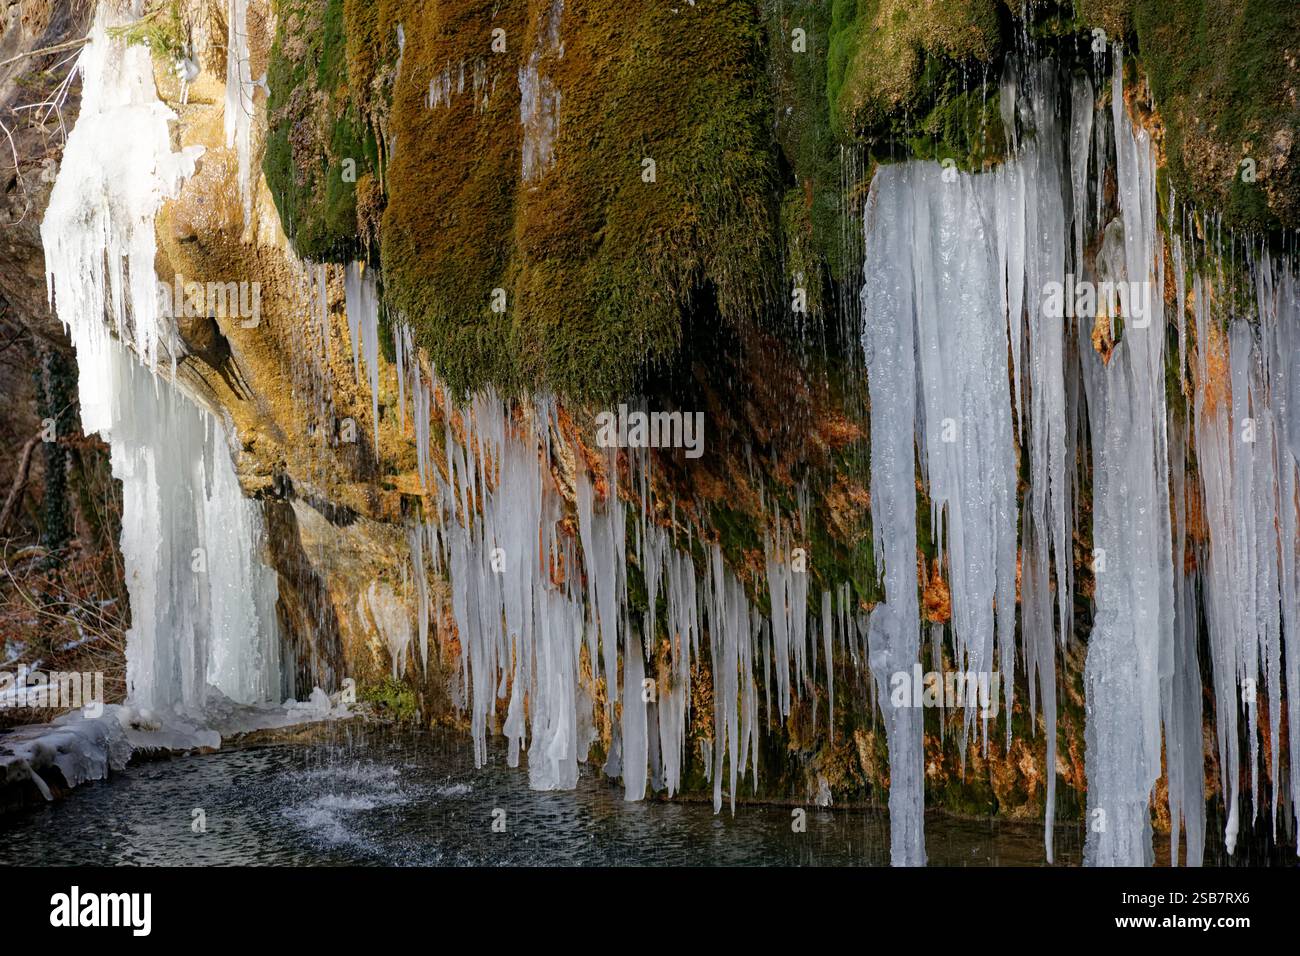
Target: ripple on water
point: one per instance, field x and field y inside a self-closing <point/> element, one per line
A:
<point x="369" y="797"/>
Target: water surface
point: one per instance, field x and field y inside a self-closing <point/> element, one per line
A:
<point x="370" y="796"/>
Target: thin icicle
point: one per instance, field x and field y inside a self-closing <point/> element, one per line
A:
<point x="362" y="303"/>
<point x="239" y="100"/>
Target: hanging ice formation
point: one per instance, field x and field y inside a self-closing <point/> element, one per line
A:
<point x="951" y="259"/>
<point x="1246" y="435"/>
<point x="1132" y="539"/>
<point x="539" y="99"/>
<point x="202" y="603"/>
<point x="544" y="620"/>
<point x="954" y="264"/>
<point x="894" y="627"/>
<point x="239" y="100"/>
<point x="362" y="303"/>
<point x="968" y="369"/>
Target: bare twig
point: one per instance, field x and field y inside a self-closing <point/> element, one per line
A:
<point x="20" y="481"/>
<point x="49" y="49"/>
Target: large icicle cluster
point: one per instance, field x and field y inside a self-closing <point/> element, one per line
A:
<point x="524" y="616"/>
<point x="1132" y="538"/>
<point x="969" y="374"/>
<point x="954" y="341"/>
<point x="894" y="629"/>
<point x="1246" y="438"/>
<point x="956" y="263"/>
<point x="544" y="618"/>
<point x="203" y="623"/>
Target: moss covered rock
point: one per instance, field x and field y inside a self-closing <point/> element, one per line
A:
<point x="322" y="159"/>
<point x="879" y="51"/>
<point x="601" y="207"/>
<point x="1227" y="87"/>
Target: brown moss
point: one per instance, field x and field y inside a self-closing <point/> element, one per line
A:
<point x="598" y="264"/>
<point x="451" y="180"/>
<point x="936" y="600"/>
<point x="884" y="46"/>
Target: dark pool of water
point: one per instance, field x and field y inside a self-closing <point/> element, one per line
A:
<point x="372" y="797"/>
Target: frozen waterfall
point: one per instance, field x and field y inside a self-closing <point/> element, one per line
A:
<point x="1044" y="418"/>
<point x="203" y="623"/>
<point x="959" y="274"/>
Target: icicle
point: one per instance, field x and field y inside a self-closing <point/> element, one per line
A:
<point x="1181" y="702"/>
<point x="1133" y="623"/>
<point x="203" y="624"/>
<point x="1040" y="658"/>
<point x="1009" y="184"/>
<point x="1279" y="310"/>
<point x="415" y="536"/>
<point x="888" y="339"/>
<point x="399" y="346"/>
<point x="1081" y="110"/>
<point x="789" y="592"/>
<point x="420" y="415"/>
<point x="635" y="746"/>
<point x="1253" y="567"/>
<point x="1180" y="317"/>
<point x="673" y="688"/>
<point x="1214" y="449"/>
<point x="965" y="413"/>
<point x="735" y="694"/>
<point x="1049" y="495"/>
<point x="362" y="303"/>
<point x="828" y="626"/>
<point x="239" y="100"/>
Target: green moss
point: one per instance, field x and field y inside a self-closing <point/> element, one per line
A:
<point x="160" y="29"/>
<point x="598" y="264"/>
<point x="333" y="51"/>
<point x="448" y="230"/>
<point x="1113" y="16"/>
<point x="366" y="47"/>
<point x="879" y="51"/>
<point x="321" y="155"/>
<point x="1224" y="78"/>
<point x="962" y="125"/>
<point x="609" y="261"/>
<point x="811" y="226"/>
<point x="391" y="699"/>
<point x="842" y="50"/>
